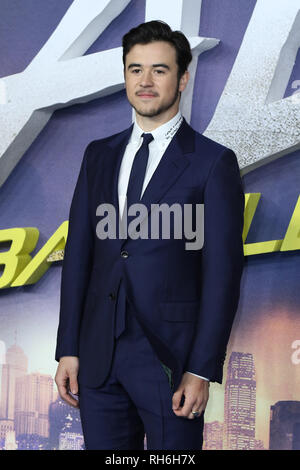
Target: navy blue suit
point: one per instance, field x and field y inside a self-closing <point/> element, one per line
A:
<point x="183" y="301"/>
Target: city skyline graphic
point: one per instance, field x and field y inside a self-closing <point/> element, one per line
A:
<point x="266" y="326"/>
<point x="32" y="415"/>
<point x="257" y="405"/>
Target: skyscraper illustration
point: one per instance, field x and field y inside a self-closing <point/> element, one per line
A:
<point x="285" y="425"/>
<point x="59" y="416"/>
<point x="69" y="439"/>
<point x="213" y="436"/>
<point x="10" y="441"/>
<point x="34" y="393"/>
<point x="16" y="365"/>
<point x="240" y="403"/>
<point x="6" y="425"/>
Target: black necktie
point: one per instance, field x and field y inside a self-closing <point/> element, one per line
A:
<point x="138" y="170"/>
<point x="137" y="176"/>
<point x="134" y="190"/>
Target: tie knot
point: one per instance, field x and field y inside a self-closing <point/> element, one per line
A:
<point x="147" y="138"/>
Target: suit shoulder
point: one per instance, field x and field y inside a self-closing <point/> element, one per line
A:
<point x="210" y="154"/>
<point x="212" y="145"/>
<point x="108" y="139"/>
<point x="98" y="146"/>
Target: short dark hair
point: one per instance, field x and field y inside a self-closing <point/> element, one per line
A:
<point x="158" y="30"/>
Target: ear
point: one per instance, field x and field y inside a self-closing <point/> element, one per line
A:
<point x="184" y="80"/>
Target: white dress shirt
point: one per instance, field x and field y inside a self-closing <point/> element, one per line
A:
<point x="162" y="136"/>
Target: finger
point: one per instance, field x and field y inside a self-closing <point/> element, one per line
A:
<point x="63" y="393"/>
<point x="186" y="409"/>
<point x="189" y="405"/>
<point x="192" y="416"/>
<point x="176" y="399"/>
<point x="198" y="410"/>
<point x="70" y="400"/>
<point x="199" y="407"/>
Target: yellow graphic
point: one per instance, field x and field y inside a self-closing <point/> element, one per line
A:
<point x="21" y="269"/>
<point x="292" y="237"/>
<point x="23" y="241"/>
<point x="291" y="240"/>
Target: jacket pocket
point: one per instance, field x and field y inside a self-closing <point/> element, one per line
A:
<point x="180" y="311"/>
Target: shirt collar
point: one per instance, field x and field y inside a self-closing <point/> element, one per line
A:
<point x="161" y="133"/>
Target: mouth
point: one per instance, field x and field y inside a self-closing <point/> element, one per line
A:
<point x="145" y="95"/>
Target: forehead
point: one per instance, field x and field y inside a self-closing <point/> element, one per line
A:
<point x="154" y="52"/>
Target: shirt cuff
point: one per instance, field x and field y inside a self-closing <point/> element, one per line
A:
<point x="198" y="375"/>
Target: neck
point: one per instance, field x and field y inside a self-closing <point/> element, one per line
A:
<point x="148" y="124"/>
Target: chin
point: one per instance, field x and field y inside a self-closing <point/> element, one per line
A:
<point x="147" y="112"/>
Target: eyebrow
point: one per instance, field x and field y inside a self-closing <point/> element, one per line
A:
<point x="153" y="65"/>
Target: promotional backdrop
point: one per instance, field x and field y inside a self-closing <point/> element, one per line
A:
<point x="51" y="112"/>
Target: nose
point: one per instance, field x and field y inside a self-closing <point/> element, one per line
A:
<point x="146" y="79"/>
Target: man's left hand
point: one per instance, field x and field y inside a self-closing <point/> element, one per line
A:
<point x="196" y="393"/>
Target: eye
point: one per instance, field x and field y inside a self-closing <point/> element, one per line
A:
<point x="136" y="71"/>
<point x="159" y="71"/>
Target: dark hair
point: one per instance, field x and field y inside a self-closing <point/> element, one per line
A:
<point x="159" y="31"/>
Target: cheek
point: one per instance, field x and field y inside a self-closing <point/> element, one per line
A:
<point x="170" y="88"/>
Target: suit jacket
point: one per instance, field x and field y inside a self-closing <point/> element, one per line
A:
<point x="185" y="300"/>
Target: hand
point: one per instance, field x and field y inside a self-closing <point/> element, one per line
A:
<point x="66" y="379"/>
<point x="196" y="393"/>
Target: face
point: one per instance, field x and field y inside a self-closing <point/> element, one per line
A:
<point x="151" y="79"/>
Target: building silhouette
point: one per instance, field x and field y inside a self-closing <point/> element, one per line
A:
<point x="16" y="365"/>
<point x="10" y="441"/>
<point x="285" y="425"/>
<point x="240" y="403"/>
<point x="58" y="419"/>
<point x="259" y="445"/>
<point x="213" y="436"/>
<point x="69" y="439"/>
<point x="33" y="395"/>
<point x="6" y="427"/>
<point x="31" y="442"/>
<point x="296" y="437"/>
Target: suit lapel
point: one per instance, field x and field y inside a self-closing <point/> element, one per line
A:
<point x="170" y="167"/>
<point x="115" y="152"/>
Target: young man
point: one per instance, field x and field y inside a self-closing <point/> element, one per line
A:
<point x="145" y="322"/>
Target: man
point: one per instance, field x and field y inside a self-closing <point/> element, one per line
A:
<point x="144" y="322"/>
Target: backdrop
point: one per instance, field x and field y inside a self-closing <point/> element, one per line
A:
<point x="61" y="87"/>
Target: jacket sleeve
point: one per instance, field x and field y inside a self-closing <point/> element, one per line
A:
<point x="222" y="266"/>
<point x="76" y="267"/>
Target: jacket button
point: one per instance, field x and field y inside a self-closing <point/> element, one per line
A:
<point x="124" y="254"/>
<point x="112" y="296"/>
